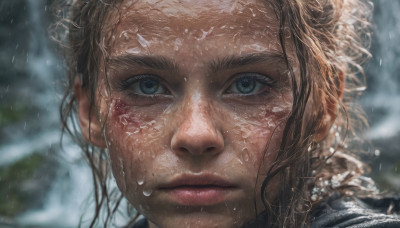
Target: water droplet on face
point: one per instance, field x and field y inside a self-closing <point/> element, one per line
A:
<point x="123" y="120"/>
<point x="140" y="179"/>
<point x="277" y="109"/>
<point x="245" y="154"/>
<point x="240" y="161"/>
<point x="140" y="156"/>
<point x="125" y="34"/>
<point x="135" y="50"/>
<point x="177" y="44"/>
<point x="252" y="13"/>
<point x="142" y="41"/>
<point x="147" y="192"/>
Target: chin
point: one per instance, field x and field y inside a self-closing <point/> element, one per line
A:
<point x="199" y="220"/>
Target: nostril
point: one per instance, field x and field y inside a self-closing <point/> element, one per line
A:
<point x="209" y="149"/>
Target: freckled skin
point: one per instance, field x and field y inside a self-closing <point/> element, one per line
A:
<point x="198" y="127"/>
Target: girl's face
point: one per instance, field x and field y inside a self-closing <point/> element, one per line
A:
<point x="197" y="100"/>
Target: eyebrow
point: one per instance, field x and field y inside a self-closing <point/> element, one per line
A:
<point x="153" y="62"/>
<point x="234" y="61"/>
<point x="165" y="64"/>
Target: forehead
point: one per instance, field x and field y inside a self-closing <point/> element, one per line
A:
<point x="193" y="10"/>
<point x="145" y="23"/>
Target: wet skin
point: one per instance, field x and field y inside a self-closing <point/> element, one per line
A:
<point x="197" y="100"/>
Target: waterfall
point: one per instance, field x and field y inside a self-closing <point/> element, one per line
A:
<point x="383" y="95"/>
<point x="41" y="133"/>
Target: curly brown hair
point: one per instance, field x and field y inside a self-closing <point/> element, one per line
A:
<point x="331" y="40"/>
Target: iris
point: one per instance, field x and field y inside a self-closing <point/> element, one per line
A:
<point x="245" y="85"/>
<point x="149" y="85"/>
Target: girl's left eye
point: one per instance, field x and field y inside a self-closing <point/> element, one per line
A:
<point x="249" y="83"/>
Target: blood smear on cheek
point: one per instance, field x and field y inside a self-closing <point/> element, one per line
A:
<point x="121" y="114"/>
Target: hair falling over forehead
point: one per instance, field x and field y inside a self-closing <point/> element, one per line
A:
<point x="330" y="37"/>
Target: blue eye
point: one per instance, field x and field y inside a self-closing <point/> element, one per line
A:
<point x="245" y="85"/>
<point x="144" y="85"/>
<point x="149" y="86"/>
<point x="249" y="84"/>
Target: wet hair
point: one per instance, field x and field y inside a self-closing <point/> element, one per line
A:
<point x="330" y="39"/>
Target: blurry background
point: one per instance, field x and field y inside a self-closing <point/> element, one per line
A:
<point x="42" y="186"/>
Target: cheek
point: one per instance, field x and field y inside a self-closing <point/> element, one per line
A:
<point x="122" y="115"/>
<point x="134" y="141"/>
<point x="256" y="134"/>
<point x="129" y="123"/>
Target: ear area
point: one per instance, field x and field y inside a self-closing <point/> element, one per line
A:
<point x="90" y="125"/>
<point x="331" y="107"/>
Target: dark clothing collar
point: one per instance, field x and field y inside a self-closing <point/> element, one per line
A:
<point x="341" y="212"/>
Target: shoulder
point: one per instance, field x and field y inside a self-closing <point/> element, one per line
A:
<point x="354" y="212"/>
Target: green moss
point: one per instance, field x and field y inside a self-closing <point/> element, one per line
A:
<point x="11" y="114"/>
<point x="13" y="199"/>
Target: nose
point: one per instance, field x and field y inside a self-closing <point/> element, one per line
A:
<point x="197" y="133"/>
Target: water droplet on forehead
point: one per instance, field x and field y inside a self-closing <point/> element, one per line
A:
<point x="142" y="41"/>
<point x="135" y="50"/>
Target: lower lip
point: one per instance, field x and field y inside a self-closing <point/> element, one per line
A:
<point x="206" y="196"/>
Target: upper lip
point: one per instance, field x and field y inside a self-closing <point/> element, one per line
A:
<point x="200" y="180"/>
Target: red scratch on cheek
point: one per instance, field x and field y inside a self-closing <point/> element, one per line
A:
<point x="123" y="115"/>
<point x="119" y="107"/>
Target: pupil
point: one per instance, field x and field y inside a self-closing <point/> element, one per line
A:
<point x="245" y="85"/>
<point x="149" y="86"/>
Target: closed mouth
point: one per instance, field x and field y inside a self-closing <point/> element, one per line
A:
<point x="198" y="190"/>
<point x="198" y="181"/>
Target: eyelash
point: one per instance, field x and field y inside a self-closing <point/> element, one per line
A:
<point x="264" y="83"/>
<point x="126" y="85"/>
<point x="131" y="84"/>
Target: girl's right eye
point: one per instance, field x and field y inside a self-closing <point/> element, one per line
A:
<point x="144" y="85"/>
